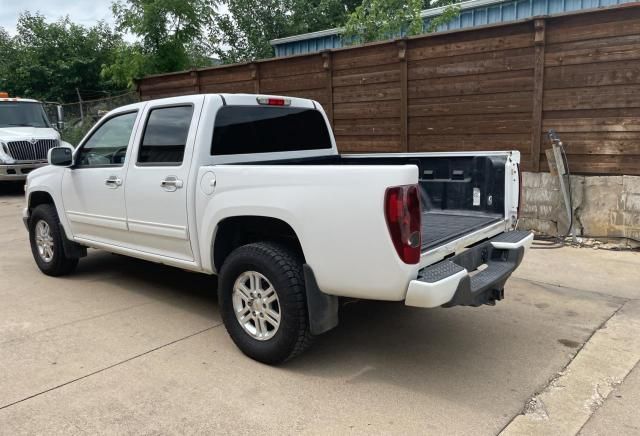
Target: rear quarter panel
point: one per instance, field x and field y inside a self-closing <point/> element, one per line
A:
<point x="336" y="212"/>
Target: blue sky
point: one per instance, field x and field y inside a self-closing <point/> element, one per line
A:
<point x="85" y="12"/>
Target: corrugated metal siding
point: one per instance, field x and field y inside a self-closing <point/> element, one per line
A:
<point x="478" y="16"/>
<point x="517" y="10"/>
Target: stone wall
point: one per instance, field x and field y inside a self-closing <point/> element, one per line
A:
<point x="604" y="206"/>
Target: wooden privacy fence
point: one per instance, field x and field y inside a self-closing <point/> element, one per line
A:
<point x="491" y="88"/>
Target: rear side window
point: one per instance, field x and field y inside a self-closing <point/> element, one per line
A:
<point x="165" y="136"/>
<point x="249" y="129"/>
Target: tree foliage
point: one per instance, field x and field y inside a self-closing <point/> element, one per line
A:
<point x="244" y="31"/>
<point x="170" y="37"/>
<point x="50" y="60"/>
<point x="451" y="11"/>
<point x="383" y="19"/>
<point x="375" y="20"/>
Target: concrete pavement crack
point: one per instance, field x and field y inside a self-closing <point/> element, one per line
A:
<point x="535" y="397"/>
<point x="111" y="366"/>
<point x="617" y="385"/>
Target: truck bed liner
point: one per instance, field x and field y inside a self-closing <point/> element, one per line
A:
<point x="440" y="227"/>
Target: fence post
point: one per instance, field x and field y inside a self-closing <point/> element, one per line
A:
<point x="404" y="99"/>
<point x="196" y="80"/>
<point x="255" y="76"/>
<point x="538" y="93"/>
<point x="328" y="67"/>
<point x="80" y="103"/>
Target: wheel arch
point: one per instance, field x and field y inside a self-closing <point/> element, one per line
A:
<point x="235" y="231"/>
<point x="36" y="198"/>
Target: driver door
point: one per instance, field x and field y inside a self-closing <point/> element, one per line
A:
<point x="93" y="189"/>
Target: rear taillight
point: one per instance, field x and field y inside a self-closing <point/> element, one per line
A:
<point x="402" y="211"/>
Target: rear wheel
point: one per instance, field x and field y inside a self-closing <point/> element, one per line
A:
<point x="263" y="302"/>
<point x="46" y="240"/>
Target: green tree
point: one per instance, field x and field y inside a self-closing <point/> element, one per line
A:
<point x="129" y="63"/>
<point x="451" y="11"/>
<point x="244" y="31"/>
<point x="49" y="61"/>
<point x="7" y="59"/>
<point x="170" y="37"/>
<point x="382" y="19"/>
<point x="375" y="20"/>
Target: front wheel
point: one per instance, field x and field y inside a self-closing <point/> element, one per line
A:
<point x="45" y="236"/>
<point x="263" y="302"/>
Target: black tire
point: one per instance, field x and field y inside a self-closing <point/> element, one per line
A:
<point x="283" y="269"/>
<point x="59" y="264"/>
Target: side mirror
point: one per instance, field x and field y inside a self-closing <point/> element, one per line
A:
<point x="60" y="156"/>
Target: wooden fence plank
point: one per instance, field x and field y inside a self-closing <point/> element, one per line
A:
<point x="430" y="49"/>
<point x="504" y="60"/>
<point x="601" y="97"/>
<point x="366" y="75"/>
<point x="476" y="124"/>
<point x="601" y="74"/>
<point x="594" y="50"/>
<point x="504" y="102"/>
<point x="506" y="81"/>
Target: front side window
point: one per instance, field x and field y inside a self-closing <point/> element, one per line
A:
<point x="258" y="129"/>
<point x="107" y="146"/>
<point x="165" y="136"/>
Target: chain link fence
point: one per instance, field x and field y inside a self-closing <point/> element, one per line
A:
<point x="81" y="116"/>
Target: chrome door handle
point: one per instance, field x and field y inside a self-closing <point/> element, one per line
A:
<point x="171" y="183"/>
<point x="113" y="182"/>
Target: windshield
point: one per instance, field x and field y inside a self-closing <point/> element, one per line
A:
<point x="22" y="114"/>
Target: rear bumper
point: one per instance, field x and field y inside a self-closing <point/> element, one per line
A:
<point x="458" y="281"/>
<point x="18" y="171"/>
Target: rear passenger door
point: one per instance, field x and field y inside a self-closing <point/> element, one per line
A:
<point x="156" y="188"/>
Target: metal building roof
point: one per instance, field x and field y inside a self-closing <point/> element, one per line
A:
<point x="473" y="13"/>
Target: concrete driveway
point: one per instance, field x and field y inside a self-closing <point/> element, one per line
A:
<point x="126" y="346"/>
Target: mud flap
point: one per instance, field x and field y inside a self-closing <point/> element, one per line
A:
<point x="323" y="308"/>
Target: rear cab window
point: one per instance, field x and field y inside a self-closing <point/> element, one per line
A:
<point x="259" y="129"/>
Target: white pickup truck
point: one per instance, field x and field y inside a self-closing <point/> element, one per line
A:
<point x="252" y="189"/>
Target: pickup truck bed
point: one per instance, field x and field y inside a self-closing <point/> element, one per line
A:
<point x="441" y="227"/>
<point x="461" y="193"/>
